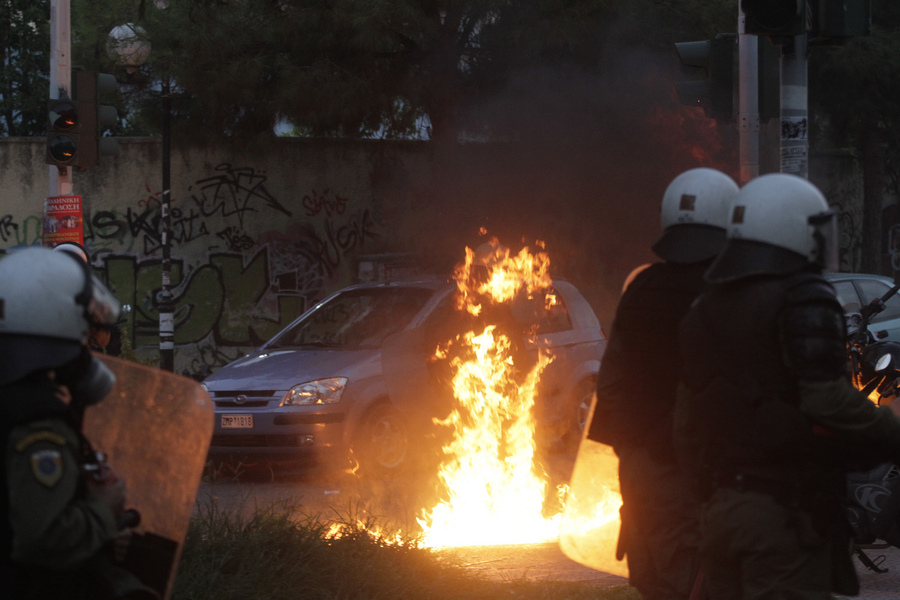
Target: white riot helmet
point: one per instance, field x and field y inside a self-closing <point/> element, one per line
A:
<point x="48" y="302"/>
<point x="73" y="248"/>
<point x="695" y="211"/>
<point x="780" y="224"/>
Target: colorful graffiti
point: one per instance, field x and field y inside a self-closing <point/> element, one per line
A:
<point x="243" y="265"/>
<point x="16" y="233"/>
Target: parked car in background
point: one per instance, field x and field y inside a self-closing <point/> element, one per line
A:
<point x="353" y="375"/>
<point x="855" y="290"/>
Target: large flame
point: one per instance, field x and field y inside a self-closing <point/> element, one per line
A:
<point x="495" y="490"/>
<point x="496" y="493"/>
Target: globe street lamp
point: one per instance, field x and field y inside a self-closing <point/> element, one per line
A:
<point x="129" y="47"/>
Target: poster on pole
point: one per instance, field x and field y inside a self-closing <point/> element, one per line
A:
<point x="63" y="221"/>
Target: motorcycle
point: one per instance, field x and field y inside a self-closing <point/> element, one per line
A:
<point x="873" y="496"/>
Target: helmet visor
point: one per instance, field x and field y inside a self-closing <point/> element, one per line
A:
<point x="101" y="307"/>
<point x="689" y="243"/>
<point x="825" y="234"/>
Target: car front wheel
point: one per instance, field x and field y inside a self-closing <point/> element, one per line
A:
<point x="383" y="444"/>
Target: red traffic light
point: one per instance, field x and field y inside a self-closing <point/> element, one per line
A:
<point x="61" y="148"/>
<point x="63" y="116"/>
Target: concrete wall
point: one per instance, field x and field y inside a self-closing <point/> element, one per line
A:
<point x="255" y="241"/>
<point x="259" y="235"/>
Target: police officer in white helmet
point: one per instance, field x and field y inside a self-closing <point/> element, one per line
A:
<point x="766" y="398"/>
<point x="60" y="506"/>
<point x="637" y="385"/>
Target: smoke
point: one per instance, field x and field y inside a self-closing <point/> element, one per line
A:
<point x="578" y="158"/>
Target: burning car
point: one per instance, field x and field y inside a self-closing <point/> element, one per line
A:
<point x="363" y="372"/>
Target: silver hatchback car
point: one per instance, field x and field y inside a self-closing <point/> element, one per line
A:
<point x="855" y="290"/>
<point x="353" y="375"/>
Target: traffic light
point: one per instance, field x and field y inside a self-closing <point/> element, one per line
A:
<point x="63" y="131"/>
<point x="840" y="19"/>
<point x="75" y="131"/>
<point x="95" y="117"/>
<point x="715" y="94"/>
<point x="781" y="19"/>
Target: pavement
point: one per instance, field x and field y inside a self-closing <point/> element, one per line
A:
<point x="546" y="562"/>
<point x="531" y="562"/>
<point x="880" y="586"/>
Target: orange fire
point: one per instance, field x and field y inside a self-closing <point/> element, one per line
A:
<point x="495" y="489"/>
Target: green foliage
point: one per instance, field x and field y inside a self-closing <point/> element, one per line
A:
<point x="25" y="60"/>
<point x="855" y="88"/>
<point x="269" y="555"/>
<point x="870" y="66"/>
<point x="348" y="67"/>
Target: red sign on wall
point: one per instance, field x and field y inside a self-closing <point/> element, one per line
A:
<point x="63" y="221"/>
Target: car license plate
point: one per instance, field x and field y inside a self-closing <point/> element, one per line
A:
<point x="237" y="421"/>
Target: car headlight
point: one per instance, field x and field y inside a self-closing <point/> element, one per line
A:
<point x="205" y="389"/>
<point x="320" y="391"/>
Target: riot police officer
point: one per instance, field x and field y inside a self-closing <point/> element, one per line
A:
<point x="58" y="524"/>
<point x="103" y="338"/>
<point x="766" y="403"/>
<point x="637" y="384"/>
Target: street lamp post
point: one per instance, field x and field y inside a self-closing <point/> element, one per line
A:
<point x="130" y="48"/>
<point x="164" y="298"/>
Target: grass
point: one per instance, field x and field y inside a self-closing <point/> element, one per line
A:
<point x="270" y="555"/>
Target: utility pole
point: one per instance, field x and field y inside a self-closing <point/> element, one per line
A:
<point x="748" y="101"/>
<point x="795" y="108"/>
<point x="60" y="81"/>
<point x="164" y="298"/>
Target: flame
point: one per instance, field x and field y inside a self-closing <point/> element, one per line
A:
<point x="495" y="490"/>
<point x="506" y="275"/>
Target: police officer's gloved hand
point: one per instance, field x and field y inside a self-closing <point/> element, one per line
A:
<point x="89" y="380"/>
<point x="112" y="493"/>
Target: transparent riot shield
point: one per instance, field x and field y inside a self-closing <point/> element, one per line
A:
<point x="589" y="529"/>
<point x="155" y="428"/>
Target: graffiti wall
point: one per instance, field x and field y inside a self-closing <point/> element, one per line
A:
<point x="258" y="236"/>
<point x="254" y="242"/>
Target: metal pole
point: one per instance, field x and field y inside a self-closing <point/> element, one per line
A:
<point x="748" y="101"/>
<point x="794" y="109"/>
<point x="164" y="299"/>
<point x="60" y="178"/>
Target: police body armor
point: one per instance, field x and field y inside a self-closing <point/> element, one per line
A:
<point x="742" y="427"/>
<point x="640" y="369"/>
<point x="743" y="418"/>
<point x="651" y="307"/>
<point x="155" y="428"/>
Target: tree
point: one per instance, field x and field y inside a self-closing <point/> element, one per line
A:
<point x="360" y="68"/>
<point x="25" y="57"/>
<point x="866" y="120"/>
<point x="347" y="67"/>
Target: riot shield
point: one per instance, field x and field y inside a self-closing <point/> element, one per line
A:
<point x="590" y="524"/>
<point x="155" y="428"/>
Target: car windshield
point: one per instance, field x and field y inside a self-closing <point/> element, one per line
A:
<point x="360" y="318"/>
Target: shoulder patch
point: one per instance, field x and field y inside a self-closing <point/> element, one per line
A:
<point x="47" y="467"/>
<point x="40" y="436"/>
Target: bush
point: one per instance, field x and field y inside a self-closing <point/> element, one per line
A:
<point x="271" y="555"/>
